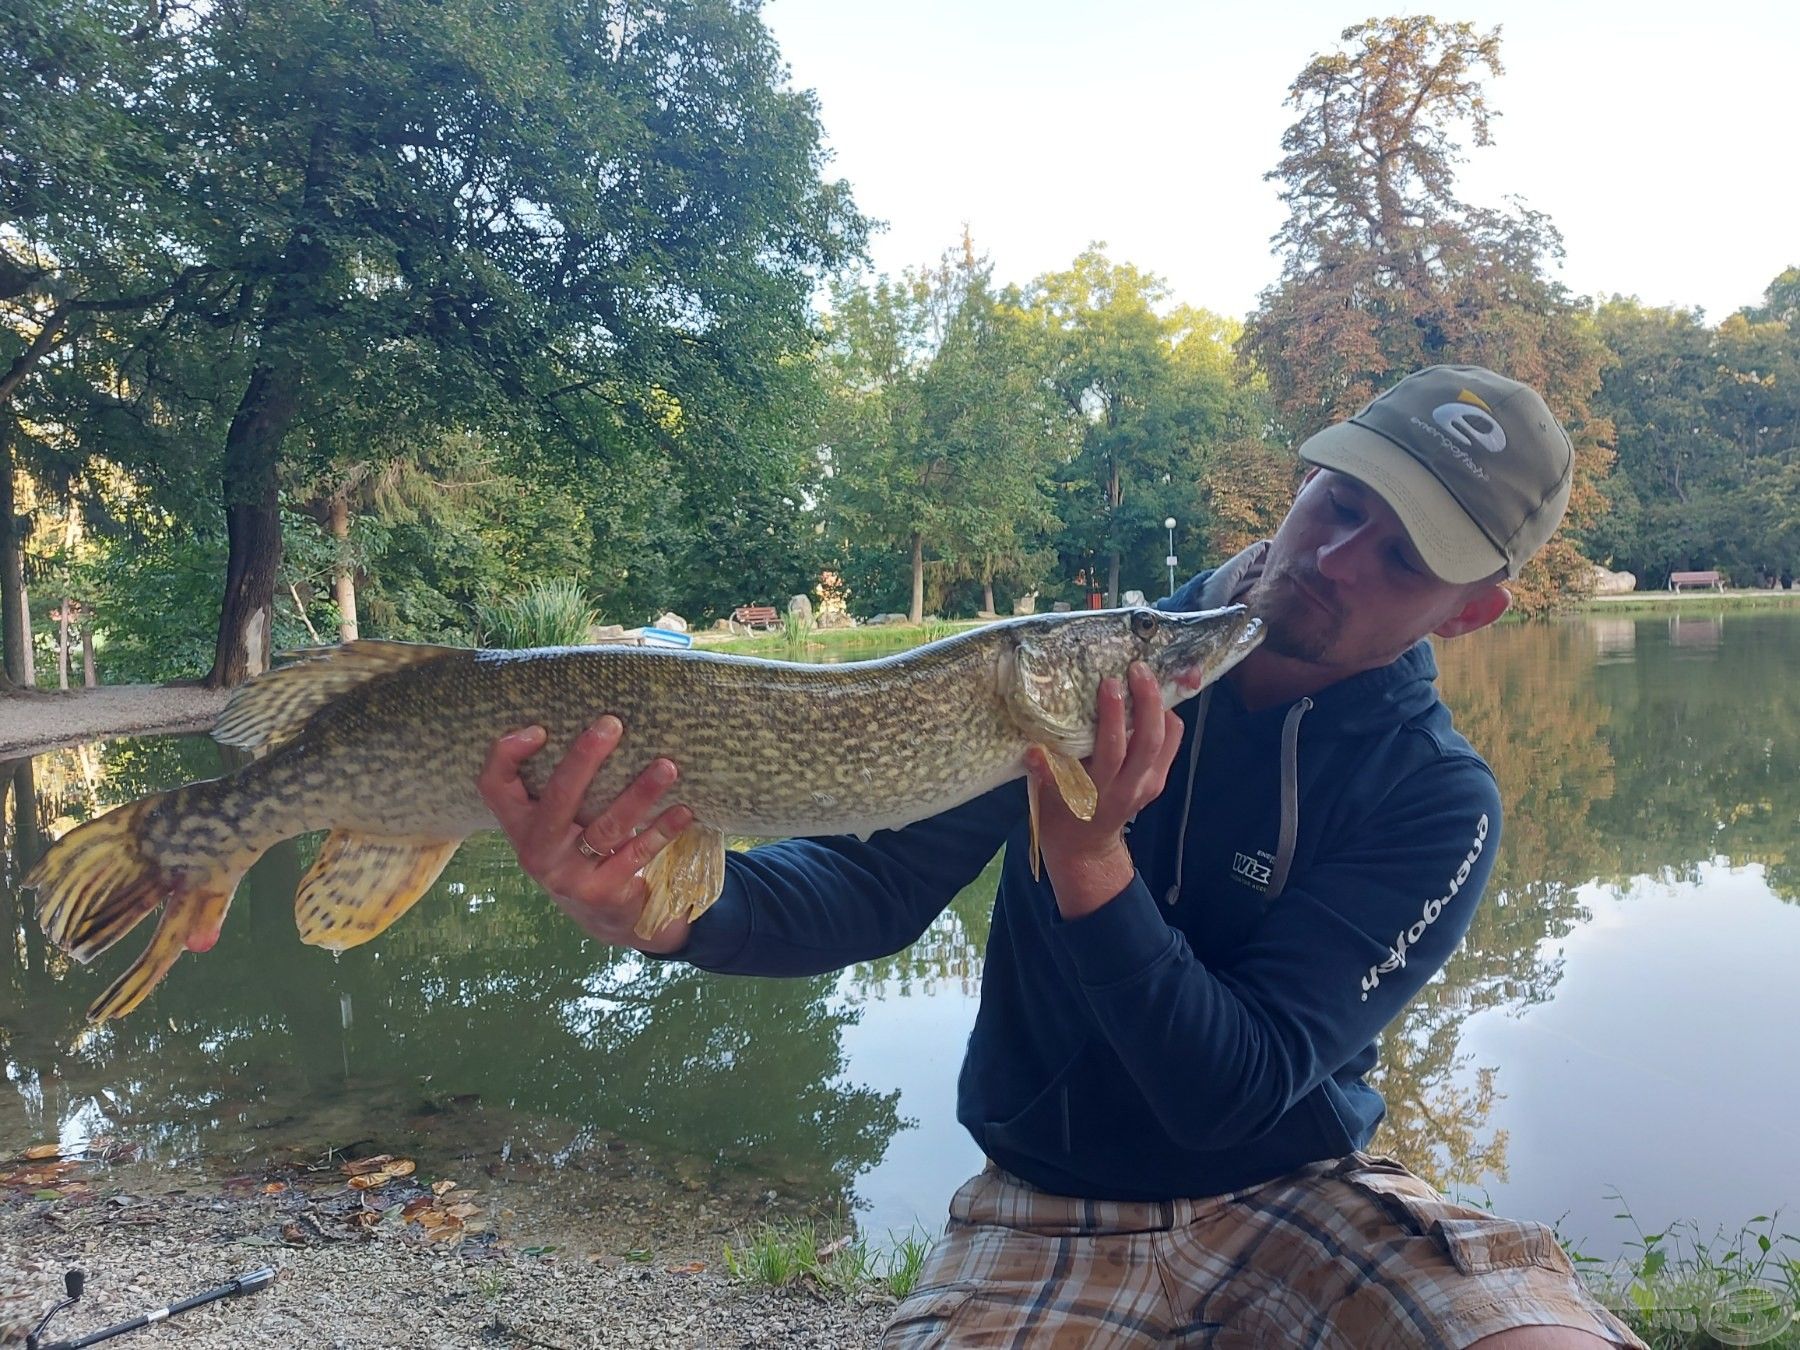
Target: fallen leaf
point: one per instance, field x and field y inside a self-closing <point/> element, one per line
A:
<point x="37" y="1151"/>
<point x="362" y="1165"/>
<point x="274" y="1188"/>
<point x="832" y="1248"/>
<point x="433" y="1218"/>
<point x="401" y="1167"/>
<point x="367" y="1179"/>
<point x="47" y="1195"/>
<point x="689" y="1268"/>
<point x="365" y="1218"/>
<point x="293" y="1234"/>
<point x="414" y="1208"/>
<point x="442" y="1187"/>
<point x="464" y="1211"/>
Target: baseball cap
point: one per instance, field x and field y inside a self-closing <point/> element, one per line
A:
<point x="1473" y="463"/>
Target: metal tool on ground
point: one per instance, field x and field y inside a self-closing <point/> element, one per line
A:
<point x="74" y="1282"/>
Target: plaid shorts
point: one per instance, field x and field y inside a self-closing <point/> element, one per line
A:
<point x="1353" y="1253"/>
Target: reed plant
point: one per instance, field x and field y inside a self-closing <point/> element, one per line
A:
<point x="550" y="614"/>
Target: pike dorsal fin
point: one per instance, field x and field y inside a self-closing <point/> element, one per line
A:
<point x="273" y="707"/>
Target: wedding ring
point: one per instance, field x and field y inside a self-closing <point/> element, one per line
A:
<point x="587" y="850"/>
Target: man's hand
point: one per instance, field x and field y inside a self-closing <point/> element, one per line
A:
<point x="1087" y="861"/>
<point x="604" y="895"/>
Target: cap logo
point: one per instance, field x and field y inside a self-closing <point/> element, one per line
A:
<point x="1470" y="425"/>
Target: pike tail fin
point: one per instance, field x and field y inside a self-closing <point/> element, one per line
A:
<point x="100" y="880"/>
<point x="360" y="883"/>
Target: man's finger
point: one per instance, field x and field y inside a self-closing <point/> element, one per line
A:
<point x="569" y="780"/>
<point x="631" y="808"/>
<point x="499" y="782"/>
<point x="635" y="853"/>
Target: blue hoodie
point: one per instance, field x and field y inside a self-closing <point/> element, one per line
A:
<point x="1210" y="1026"/>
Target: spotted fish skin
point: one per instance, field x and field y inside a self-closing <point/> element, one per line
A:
<point x="381" y="744"/>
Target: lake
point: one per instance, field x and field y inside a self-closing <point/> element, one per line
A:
<point x="1619" y="1022"/>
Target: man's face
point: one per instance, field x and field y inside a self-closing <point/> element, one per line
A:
<point x="1343" y="587"/>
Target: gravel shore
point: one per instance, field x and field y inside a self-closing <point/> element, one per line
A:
<point x="396" y="1263"/>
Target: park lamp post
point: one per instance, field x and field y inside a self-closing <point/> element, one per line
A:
<point x="1169" y="525"/>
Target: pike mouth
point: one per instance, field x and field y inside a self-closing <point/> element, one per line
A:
<point x="1248" y="639"/>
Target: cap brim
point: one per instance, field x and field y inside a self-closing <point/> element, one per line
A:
<point x="1451" y="544"/>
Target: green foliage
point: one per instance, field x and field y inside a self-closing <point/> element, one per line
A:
<point x="1676" y="1289"/>
<point x="549" y="614"/>
<point x="796" y="1252"/>
<point x="1707" y="425"/>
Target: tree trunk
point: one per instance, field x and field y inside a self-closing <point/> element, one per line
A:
<point x="1115" y="495"/>
<point x="13" y="625"/>
<point x="62" y="646"/>
<point x="987" y="594"/>
<point x="917" y="613"/>
<point x="343" y="578"/>
<point x="88" y="676"/>
<point x="252" y="527"/>
<point x="30" y="680"/>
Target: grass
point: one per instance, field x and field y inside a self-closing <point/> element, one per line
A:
<point x="844" y="643"/>
<point x="1662" y="602"/>
<point x="1677" y="1290"/>
<point x="798" y="1252"/>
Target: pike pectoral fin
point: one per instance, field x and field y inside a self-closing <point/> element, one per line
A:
<point x="1036" y="856"/>
<point x="1078" y="791"/>
<point x="1074" y="786"/>
<point x="360" y="883"/>
<point x="684" y="879"/>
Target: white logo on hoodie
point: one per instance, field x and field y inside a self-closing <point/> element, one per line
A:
<point x="1404" y="940"/>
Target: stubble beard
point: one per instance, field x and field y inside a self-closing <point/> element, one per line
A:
<point x="1297" y="627"/>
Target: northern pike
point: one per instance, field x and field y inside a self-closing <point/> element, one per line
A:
<point x="380" y="743"/>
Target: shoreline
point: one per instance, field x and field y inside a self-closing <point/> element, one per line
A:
<point x="402" y="1262"/>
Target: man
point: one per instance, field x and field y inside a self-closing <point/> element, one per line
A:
<point x="1166" y="1070"/>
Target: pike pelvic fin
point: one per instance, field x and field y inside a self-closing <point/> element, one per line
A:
<point x="361" y="883"/>
<point x="98" y="882"/>
<point x="684" y="879"/>
<point x="272" y="708"/>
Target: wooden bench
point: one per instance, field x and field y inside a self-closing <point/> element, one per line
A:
<point x="1714" y="580"/>
<point x="756" y="616"/>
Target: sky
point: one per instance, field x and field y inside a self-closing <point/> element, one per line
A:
<point x="1660" y="138"/>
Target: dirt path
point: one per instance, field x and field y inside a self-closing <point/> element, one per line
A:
<point x="47" y="719"/>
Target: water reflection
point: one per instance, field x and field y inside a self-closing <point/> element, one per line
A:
<point x="1620" y="756"/>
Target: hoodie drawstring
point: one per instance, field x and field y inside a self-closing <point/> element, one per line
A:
<point x="1290" y="798"/>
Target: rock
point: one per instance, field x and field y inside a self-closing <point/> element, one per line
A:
<point x="1613" y="583"/>
<point x="607" y="632"/>
<point x="877" y="620"/>
<point x="672" y="622"/>
<point x="1061" y="607"/>
<point x="801" y="608"/>
<point x="835" y="618"/>
<point x="1132" y="599"/>
<point x="1026" y="603"/>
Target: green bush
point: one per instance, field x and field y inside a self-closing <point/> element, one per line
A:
<point x="550" y="614"/>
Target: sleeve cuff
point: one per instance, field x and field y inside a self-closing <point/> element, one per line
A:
<point x="716" y="937"/>
<point x="1122" y="939"/>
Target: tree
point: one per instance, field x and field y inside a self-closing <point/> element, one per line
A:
<point x="566" y="217"/>
<point x="1149" y="394"/>
<point x="941" y="435"/>
<point x="1385" y="270"/>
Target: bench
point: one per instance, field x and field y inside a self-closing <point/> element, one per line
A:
<point x="756" y="616"/>
<point x="1714" y="580"/>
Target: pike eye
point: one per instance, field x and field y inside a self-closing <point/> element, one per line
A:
<point x="1144" y="625"/>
